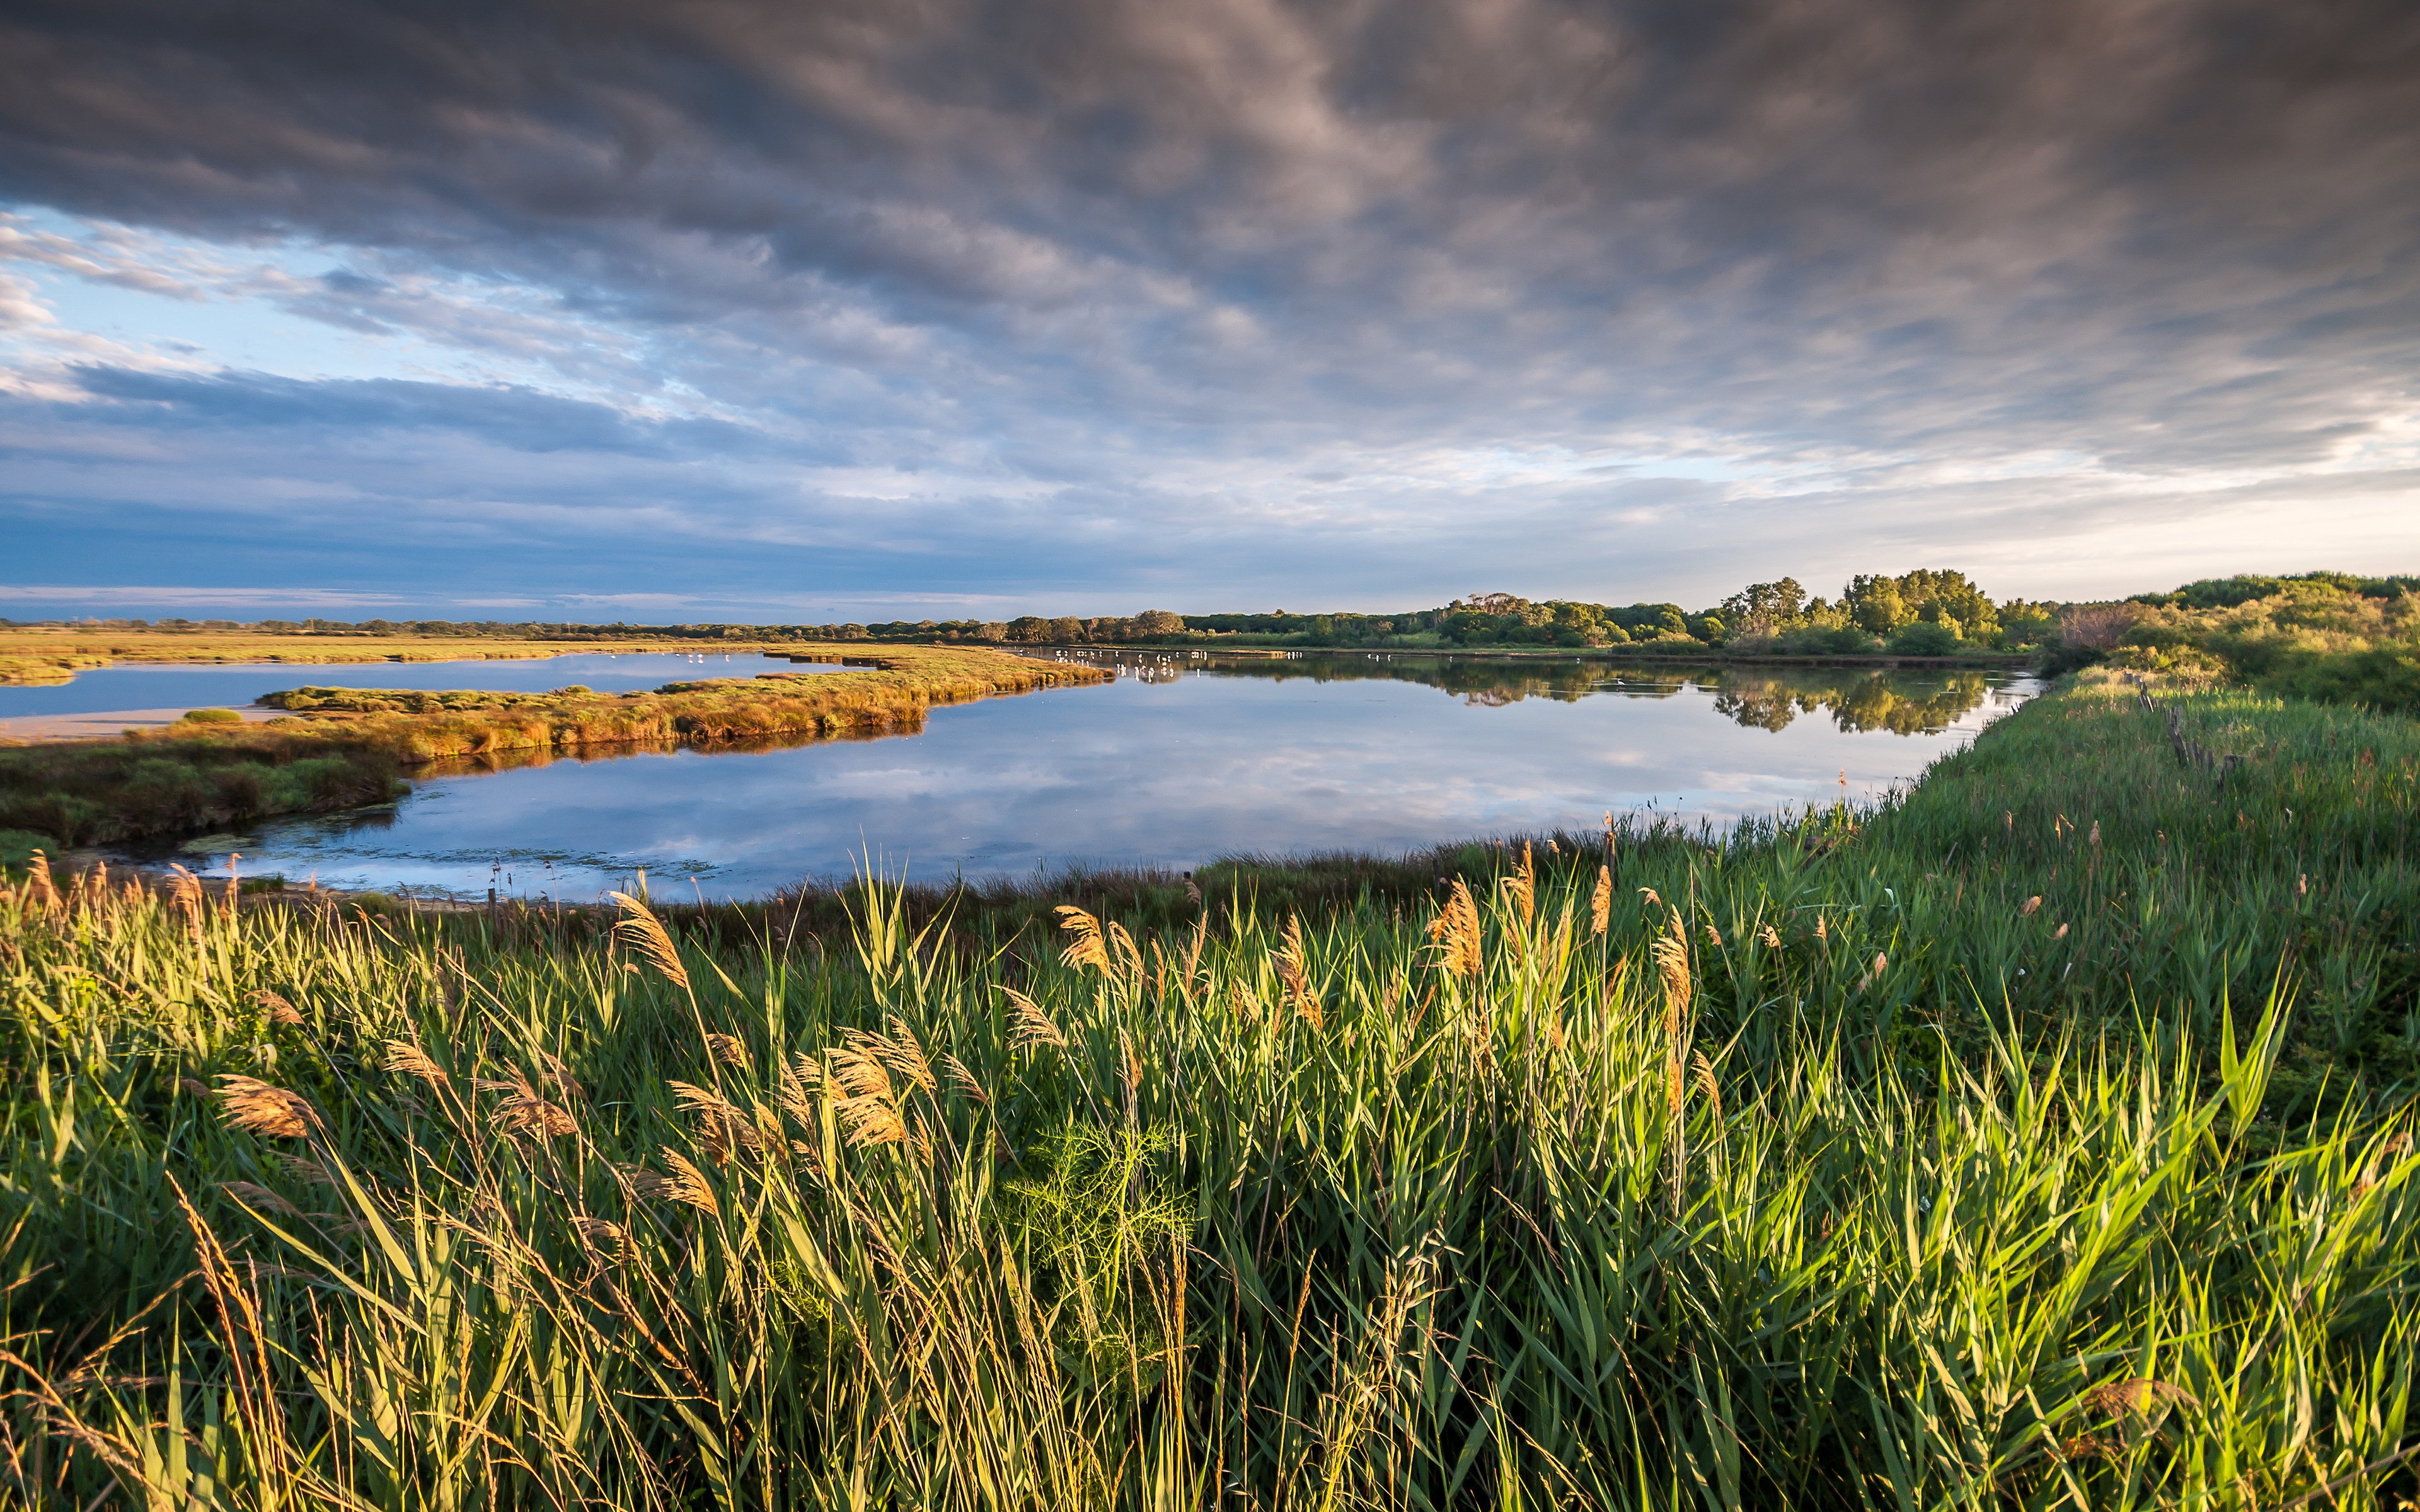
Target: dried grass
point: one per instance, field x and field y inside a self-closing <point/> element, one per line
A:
<point x="644" y="932"/>
<point x="257" y="1107"/>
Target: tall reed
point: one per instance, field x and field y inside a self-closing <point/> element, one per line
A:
<point x="1705" y="1206"/>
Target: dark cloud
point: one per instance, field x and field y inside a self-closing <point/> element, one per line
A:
<point x="1242" y="272"/>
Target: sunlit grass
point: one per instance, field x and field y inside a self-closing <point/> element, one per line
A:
<point x="1834" y="1170"/>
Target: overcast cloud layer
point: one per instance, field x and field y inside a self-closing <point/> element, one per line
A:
<point x="734" y="310"/>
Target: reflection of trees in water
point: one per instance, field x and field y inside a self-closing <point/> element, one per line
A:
<point x="1904" y="704"/>
<point x="1486" y="684"/>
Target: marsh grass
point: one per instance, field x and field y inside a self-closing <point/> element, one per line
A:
<point x="1825" y="1173"/>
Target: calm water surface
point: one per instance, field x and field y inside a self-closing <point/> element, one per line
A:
<point x="1174" y="764"/>
<point x="106" y="690"/>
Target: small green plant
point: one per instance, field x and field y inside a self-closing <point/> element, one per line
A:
<point x="212" y="716"/>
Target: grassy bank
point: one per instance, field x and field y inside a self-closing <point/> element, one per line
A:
<point x="2326" y="636"/>
<point x="2042" y="1138"/>
<point x="346" y="747"/>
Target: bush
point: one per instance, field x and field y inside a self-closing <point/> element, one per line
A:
<point x="16" y="846"/>
<point x="1822" y="640"/>
<point x="1924" y="638"/>
<point x="212" y="716"/>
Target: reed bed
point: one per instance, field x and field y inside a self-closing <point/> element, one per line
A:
<point x="353" y="745"/>
<point x="894" y="693"/>
<point x="2041" y="1137"/>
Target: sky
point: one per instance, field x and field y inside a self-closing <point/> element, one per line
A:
<point x="677" y="310"/>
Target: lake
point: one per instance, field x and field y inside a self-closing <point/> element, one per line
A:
<point x="1181" y="761"/>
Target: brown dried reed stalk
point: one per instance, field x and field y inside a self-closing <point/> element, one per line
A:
<point x="185" y="895"/>
<point x="725" y="1128"/>
<point x="686" y="1184"/>
<point x="1672" y="952"/>
<point x="1873" y="973"/>
<point x="1130" y="1073"/>
<point x="1288" y="958"/>
<point x="2141" y="1396"/>
<point x="1601" y="902"/>
<point x="1122" y="944"/>
<point x="257" y="1107"/>
<point x="643" y="932"/>
<point x="1028" y="1026"/>
<point x="1086" y="947"/>
<point x="607" y="1239"/>
<point x="802" y="1081"/>
<point x="260" y="1197"/>
<point x="408" y="1059"/>
<point x="1523" y="887"/>
<point x="1458" y="931"/>
<point x="868" y="1105"/>
<point x="524" y="1111"/>
<point x="304" y="1169"/>
<point x="965" y="1080"/>
<point x="39" y="890"/>
<point x="280" y="1011"/>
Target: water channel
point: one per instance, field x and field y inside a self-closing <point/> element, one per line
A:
<point x="1181" y="761"/>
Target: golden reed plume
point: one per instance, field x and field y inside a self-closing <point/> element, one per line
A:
<point x="1028" y="1025"/>
<point x="1086" y="949"/>
<point x="643" y="932"/>
<point x="1456" y="930"/>
<point x="257" y="1107"/>
<point x="408" y="1059"/>
<point x="1289" y="960"/>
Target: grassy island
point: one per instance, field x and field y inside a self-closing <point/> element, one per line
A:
<point x="2042" y="1137"/>
<point x="345" y="747"/>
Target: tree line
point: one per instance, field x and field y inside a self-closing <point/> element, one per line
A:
<point x="1924" y="613"/>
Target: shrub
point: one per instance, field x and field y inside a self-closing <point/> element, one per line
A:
<point x="1924" y="638"/>
<point x="1828" y="640"/>
<point x="212" y="716"/>
<point x="16" y="846"/>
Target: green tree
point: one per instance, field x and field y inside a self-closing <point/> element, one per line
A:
<point x="1874" y="603"/>
<point x="1763" y="609"/>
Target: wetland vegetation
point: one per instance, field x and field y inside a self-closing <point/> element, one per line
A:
<point x="345" y="747"/>
<point x="2042" y="1136"/>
